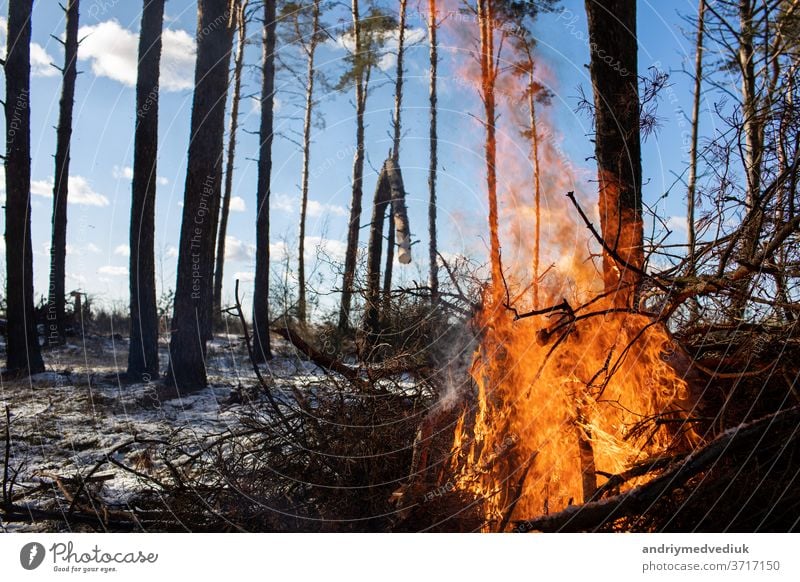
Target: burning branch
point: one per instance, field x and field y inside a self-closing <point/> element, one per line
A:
<point x="781" y="427"/>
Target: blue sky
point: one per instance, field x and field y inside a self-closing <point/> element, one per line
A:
<point x="103" y="139"/>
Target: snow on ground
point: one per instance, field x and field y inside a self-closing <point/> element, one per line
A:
<point x="66" y="419"/>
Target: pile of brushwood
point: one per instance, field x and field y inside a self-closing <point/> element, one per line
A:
<point x="364" y="443"/>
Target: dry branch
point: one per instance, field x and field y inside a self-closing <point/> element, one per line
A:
<point x="594" y="515"/>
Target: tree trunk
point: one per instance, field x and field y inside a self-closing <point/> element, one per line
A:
<point x="383" y="195"/>
<point x="241" y="24"/>
<point x="351" y="253"/>
<point x="23" y="353"/>
<point x="692" y="185"/>
<point x="389" y="192"/>
<point x="301" y="261"/>
<point x="261" y="344"/>
<point x="58" y="246"/>
<point x="753" y="127"/>
<point x="194" y="288"/>
<point x="537" y="181"/>
<point x="433" y="276"/>
<point x="388" y="271"/>
<point x="750" y="113"/>
<point x="397" y="129"/>
<point x="143" y="353"/>
<point x="612" y="30"/>
<point x="486" y="23"/>
<point x="399" y="212"/>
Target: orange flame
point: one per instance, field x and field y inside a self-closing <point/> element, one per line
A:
<point x="563" y="397"/>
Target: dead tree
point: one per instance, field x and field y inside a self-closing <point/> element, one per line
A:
<point x="389" y="193"/>
<point x="310" y="48"/>
<point x="692" y="184"/>
<point x="58" y="246"/>
<point x="143" y="352"/>
<point x="23" y="354"/>
<point x="358" y="173"/>
<point x="238" y="63"/>
<point x="369" y="34"/>
<point x="396" y="134"/>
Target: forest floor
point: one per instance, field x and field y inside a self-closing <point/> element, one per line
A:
<point x="69" y="418"/>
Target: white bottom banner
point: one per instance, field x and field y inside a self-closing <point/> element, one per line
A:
<point x="371" y="557"/>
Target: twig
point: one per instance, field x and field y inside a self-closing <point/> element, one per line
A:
<point x="611" y="252"/>
<point x="261" y="381"/>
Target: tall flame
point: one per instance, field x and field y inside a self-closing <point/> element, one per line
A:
<point x="564" y="395"/>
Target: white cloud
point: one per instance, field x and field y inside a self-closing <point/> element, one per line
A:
<point x="278" y="251"/>
<point x="93" y="248"/>
<point x="335" y="249"/>
<point x="40" y="59"/>
<point x="413" y="36"/>
<point x="177" y="61"/>
<point x="237" y="204"/>
<point x="123" y="250"/>
<point x="122" y="172"/>
<point x="282" y="202"/>
<point x="40" y="62"/>
<point x="80" y="191"/>
<point x="113" y="53"/>
<point x="237" y="250"/>
<point x="316" y="209"/>
<point x="388" y="58"/>
<point x="113" y="270"/>
<point x="172" y="252"/>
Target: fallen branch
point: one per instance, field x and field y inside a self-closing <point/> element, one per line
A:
<point x="594" y="515"/>
<point x="122" y="521"/>
<point x="321" y="359"/>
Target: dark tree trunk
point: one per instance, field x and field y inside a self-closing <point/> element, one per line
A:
<point x="389" y="192"/>
<point x="261" y="344"/>
<point x="351" y="253"/>
<point x="23" y="353"/>
<point x="194" y="289"/>
<point x="301" y="260"/>
<point x="383" y="195"/>
<point x="397" y="132"/>
<point x="234" y="126"/>
<point x="143" y="353"/>
<point x="612" y="30"/>
<point x="58" y="246"/>
<point x="433" y="277"/>
<point x="388" y="272"/>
